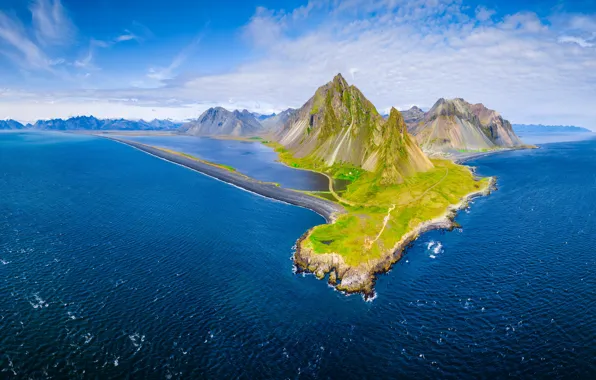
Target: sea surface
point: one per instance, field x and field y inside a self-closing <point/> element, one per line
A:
<point x="251" y="158"/>
<point x="116" y="264"/>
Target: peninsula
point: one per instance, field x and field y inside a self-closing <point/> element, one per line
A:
<point x="395" y="192"/>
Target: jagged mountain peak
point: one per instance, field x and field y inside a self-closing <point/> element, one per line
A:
<point x="218" y="121"/>
<point x="396" y="120"/>
<point x="338" y="125"/>
<point x="455" y="124"/>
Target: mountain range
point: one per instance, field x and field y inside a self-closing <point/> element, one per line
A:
<point x="454" y="124"/>
<point x="338" y="125"/>
<point x="10" y="125"/>
<point x="90" y="123"/>
<point x="219" y="121"/>
<point x="539" y="128"/>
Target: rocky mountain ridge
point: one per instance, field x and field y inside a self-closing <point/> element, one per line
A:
<point x="455" y="125"/>
<point x="338" y="125"/>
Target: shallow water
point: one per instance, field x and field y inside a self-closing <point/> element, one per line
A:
<point x="251" y="158"/>
<point x="113" y="262"/>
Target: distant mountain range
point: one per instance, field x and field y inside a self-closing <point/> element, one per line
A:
<point x="10" y="125"/>
<point x="539" y="128"/>
<point x="219" y="121"/>
<point x="454" y="124"/>
<point x="90" y="123"/>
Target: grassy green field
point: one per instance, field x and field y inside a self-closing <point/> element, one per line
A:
<point x="379" y="216"/>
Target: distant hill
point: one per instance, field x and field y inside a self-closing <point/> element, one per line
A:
<point x="10" y="125"/>
<point x="219" y="121"/>
<point x="276" y="122"/>
<point x="261" y="117"/>
<point x="339" y="126"/>
<point x="539" y="128"/>
<point x="413" y="115"/>
<point x="454" y="124"/>
<point x="90" y="123"/>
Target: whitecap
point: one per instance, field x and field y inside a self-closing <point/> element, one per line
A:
<point x="38" y="302"/>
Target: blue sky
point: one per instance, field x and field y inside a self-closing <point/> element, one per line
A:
<point x="533" y="61"/>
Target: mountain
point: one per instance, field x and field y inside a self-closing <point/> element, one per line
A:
<point x="533" y="128"/>
<point x="456" y="124"/>
<point x="219" y="121"/>
<point x="276" y="122"/>
<point x="413" y="115"/>
<point x="74" y="123"/>
<point x="10" y="124"/>
<point x="261" y="117"/>
<point x="339" y="125"/>
<point x="90" y="123"/>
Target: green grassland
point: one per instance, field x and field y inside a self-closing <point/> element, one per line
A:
<point x="379" y="215"/>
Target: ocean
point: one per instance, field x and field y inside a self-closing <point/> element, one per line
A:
<point x="116" y="264"/>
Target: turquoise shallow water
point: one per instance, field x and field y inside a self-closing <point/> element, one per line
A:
<point x="116" y="263"/>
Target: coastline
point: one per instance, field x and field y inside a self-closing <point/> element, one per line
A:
<point x="361" y="279"/>
<point x="343" y="277"/>
<point x="327" y="209"/>
<point x="462" y="158"/>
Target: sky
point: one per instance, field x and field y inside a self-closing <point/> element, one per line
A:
<point x="534" y="61"/>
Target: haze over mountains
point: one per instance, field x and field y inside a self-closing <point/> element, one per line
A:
<point x="90" y="123"/>
<point x="219" y="121"/>
<point x="539" y="128"/>
<point x="337" y="125"/>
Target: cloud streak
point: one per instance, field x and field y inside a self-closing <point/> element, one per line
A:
<point x="51" y="23"/>
<point x="398" y="52"/>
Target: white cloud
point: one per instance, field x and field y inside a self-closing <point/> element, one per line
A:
<point x="484" y="14"/>
<point x="51" y="22"/>
<point x="405" y="52"/>
<point x="164" y="73"/>
<point x="576" y="40"/>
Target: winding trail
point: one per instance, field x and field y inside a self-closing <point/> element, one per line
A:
<point x="369" y="243"/>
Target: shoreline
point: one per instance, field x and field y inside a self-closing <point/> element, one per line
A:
<point x="461" y="159"/>
<point x="362" y="279"/>
<point x="341" y="276"/>
<point x="327" y="209"/>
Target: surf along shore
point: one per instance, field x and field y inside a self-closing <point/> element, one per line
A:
<point x="342" y="271"/>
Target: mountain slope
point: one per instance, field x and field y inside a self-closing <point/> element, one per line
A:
<point x="10" y="125"/>
<point x="219" y="121"/>
<point x="275" y="122"/>
<point x="458" y="125"/>
<point x="338" y="125"/>
<point x="413" y="115"/>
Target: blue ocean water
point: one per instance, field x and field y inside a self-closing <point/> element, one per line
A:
<point x="251" y="158"/>
<point x="117" y="264"/>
